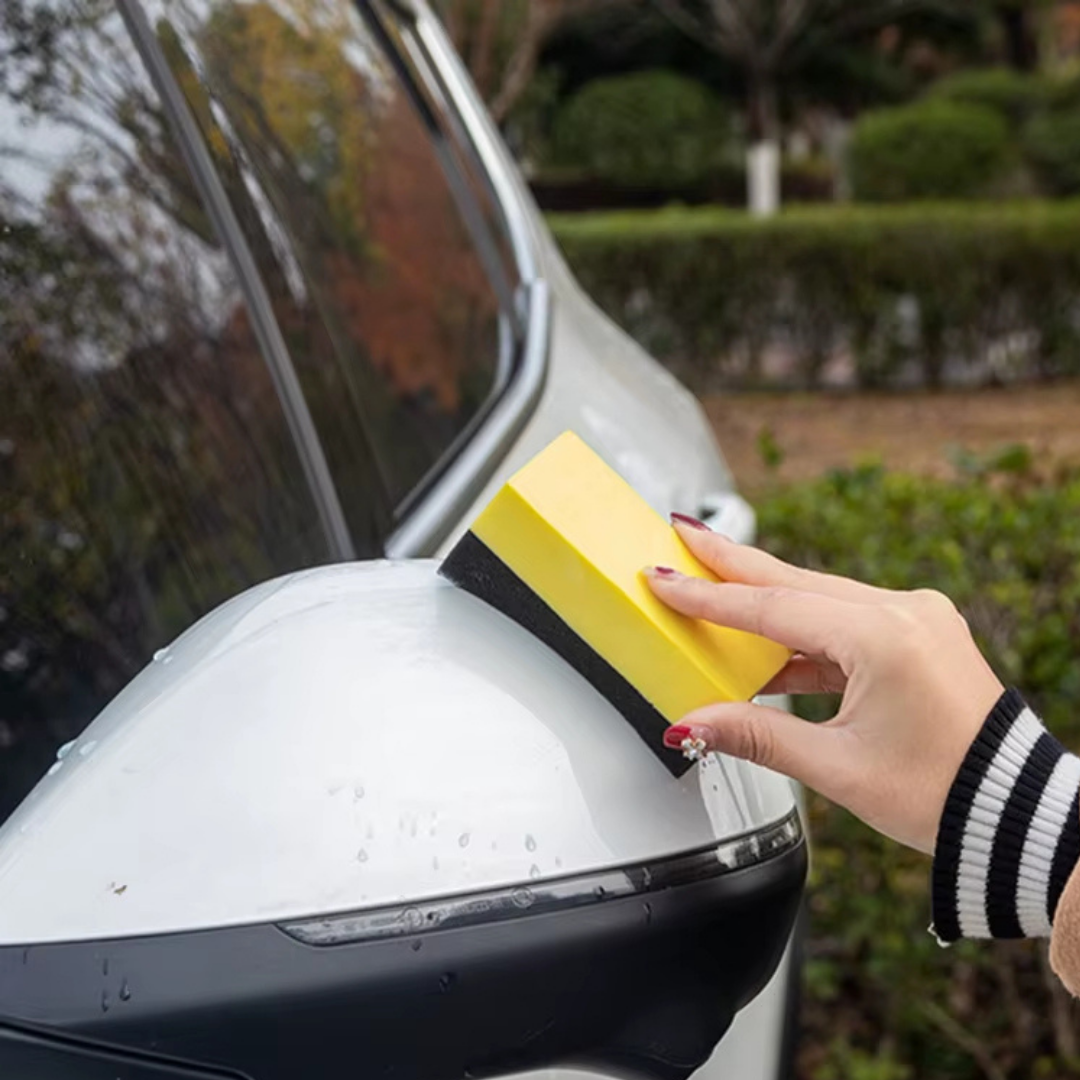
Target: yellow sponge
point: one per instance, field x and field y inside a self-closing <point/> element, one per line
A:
<point x="560" y="549"/>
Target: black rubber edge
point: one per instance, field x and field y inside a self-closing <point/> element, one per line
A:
<point x="474" y="567"/>
<point x="640" y="986"/>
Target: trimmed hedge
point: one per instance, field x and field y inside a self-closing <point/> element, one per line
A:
<point x="649" y="127"/>
<point x="931" y="149"/>
<point x="882" y="1000"/>
<point x="873" y="296"/>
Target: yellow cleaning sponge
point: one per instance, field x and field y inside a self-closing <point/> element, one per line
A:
<point x="560" y="549"/>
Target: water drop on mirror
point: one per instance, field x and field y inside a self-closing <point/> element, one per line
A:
<point x="463" y="840"/>
<point x="105" y="1002"/>
<point x="125" y="991"/>
<point x="361" y="855"/>
<point x="534" y="871"/>
<point x="530" y="843"/>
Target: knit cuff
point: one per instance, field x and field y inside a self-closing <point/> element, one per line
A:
<point x="1010" y="831"/>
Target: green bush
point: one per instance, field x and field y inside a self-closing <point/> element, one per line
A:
<point x="1052" y="146"/>
<point x="651" y="127"/>
<point x="932" y="149"/>
<point x="923" y="293"/>
<point x="1013" y="95"/>
<point x="880" y="994"/>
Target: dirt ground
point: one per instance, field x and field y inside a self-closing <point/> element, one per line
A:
<point x="914" y="431"/>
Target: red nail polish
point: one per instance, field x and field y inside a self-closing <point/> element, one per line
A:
<point x="674" y="736"/>
<point x="686" y="519"/>
<point x="663" y="571"/>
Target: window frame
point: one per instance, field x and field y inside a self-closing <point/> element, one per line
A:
<point x="439" y="87"/>
<point x="435" y="76"/>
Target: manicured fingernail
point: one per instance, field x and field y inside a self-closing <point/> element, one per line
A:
<point x="661" y="572"/>
<point x="675" y="735"/>
<point x="686" y="519"/>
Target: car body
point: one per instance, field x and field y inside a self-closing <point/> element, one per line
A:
<point x="276" y="296"/>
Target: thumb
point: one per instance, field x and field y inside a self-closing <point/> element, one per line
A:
<point x="765" y="736"/>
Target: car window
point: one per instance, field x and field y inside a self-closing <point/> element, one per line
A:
<point x="146" y="469"/>
<point x="359" y="223"/>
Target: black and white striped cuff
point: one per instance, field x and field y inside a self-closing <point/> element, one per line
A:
<point x="1010" y="831"/>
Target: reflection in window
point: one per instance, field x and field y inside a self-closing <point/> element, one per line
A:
<point x="146" y="471"/>
<point x="380" y="291"/>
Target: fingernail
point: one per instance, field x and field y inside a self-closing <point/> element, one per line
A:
<point x="674" y="736"/>
<point x="691" y="522"/>
<point x="661" y="572"/>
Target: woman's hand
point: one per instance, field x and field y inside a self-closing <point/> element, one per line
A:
<point x="915" y="687"/>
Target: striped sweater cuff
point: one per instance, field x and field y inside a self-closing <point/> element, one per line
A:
<point x="1010" y="831"/>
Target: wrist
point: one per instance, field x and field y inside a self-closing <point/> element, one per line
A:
<point x="1010" y="831"/>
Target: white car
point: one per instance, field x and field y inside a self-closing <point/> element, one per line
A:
<point x="277" y="317"/>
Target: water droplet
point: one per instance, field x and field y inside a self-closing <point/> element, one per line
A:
<point x="25" y="957"/>
<point x="431" y="831"/>
<point x="105" y="1001"/>
<point x="87" y="748"/>
<point x="600" y="892"/>
<point x="358" y="792"/>
<point x="494" y="845"/>
<point x="160" y="655"/>
<point x="435" y="863"/>
<point x="463" y="840"/>
<point x="530" y="843"/>
<point x="125" y="991"/>
<point x="370" y="834"/>
<point x="648" y="913"/>
<point x="105" y="966"/>
<point x="646" y="877"/>
<point x="412" y="918"/>
<point x="534" y="871"/>
<point x="522" y="898"/>
<point x="446" y="981"/>
<point x="55" y="767"/>
<point x="558" y="863"/>
<point x="412" y="828"/>
<point x="716" y="787"/>
<point x="64" y="750"/>
<point x="416" y="945"/>
<point x="361" y="855"/>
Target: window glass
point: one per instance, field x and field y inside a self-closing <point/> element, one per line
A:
<point x="146" y="470"/>
<point x="378" y="282"/>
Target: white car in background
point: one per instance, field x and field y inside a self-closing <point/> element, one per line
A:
<point x="275" y="307"/>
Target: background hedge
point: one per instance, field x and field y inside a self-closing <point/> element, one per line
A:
<point x="646" y="128"/>
<point x="883" y="1001"/>
<point x="932" y="149"/>
<point x="876" y="296"/>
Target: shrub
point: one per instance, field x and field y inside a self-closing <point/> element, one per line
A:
<point x="932" y="149"/>
<point x="1013" y="95"/>
<point x="924" y="293"/>
<point x="652" y="127"/>
<point x="1052" y="145"/>
<point x="1005" y="544"/>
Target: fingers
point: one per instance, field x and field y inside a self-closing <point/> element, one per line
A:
<point x="751" y="566"/>
<point x="808" y="622"/>
<point x="769" y="737"/>
<point x="807" y="675"/>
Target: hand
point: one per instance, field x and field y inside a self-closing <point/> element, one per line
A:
<point x="915" y="687"/>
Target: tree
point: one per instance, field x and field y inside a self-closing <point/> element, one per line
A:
<point x="765" y="39"/>
<point x="500" y="41"/>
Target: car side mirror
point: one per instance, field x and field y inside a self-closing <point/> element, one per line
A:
<point x="356" y="819"/>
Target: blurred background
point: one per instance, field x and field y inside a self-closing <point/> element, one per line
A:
<point x="853" y="228"/>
